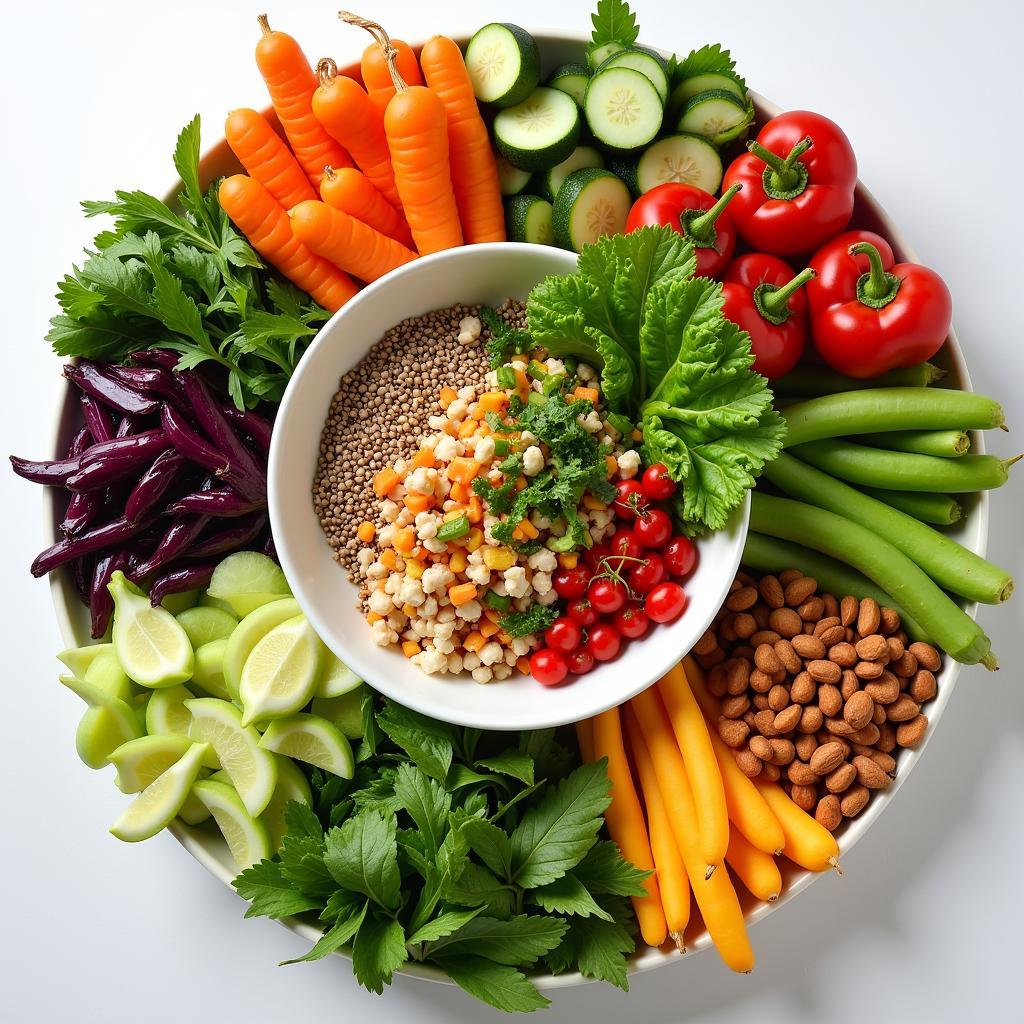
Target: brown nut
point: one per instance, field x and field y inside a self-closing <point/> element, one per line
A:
<point x="744" y="625"/>
<point x="805" y="746"/>
<point x="824" y="671"/>
<point x="812" y="609"/>
<point x="855" y="800"/>
<point x="868" y="616"/>
<point x="849" y="685"/>
<point x="826" y="758"/>
<point x="788" y="575"/>
<point x="808" y="647"/>
<point x="801" y="774"/>
<point x="766" y="659"/>
<point x="884" y="761"/>
<point x="760" y="682"/>
<point x="843" y="654"/>
<point x="761" y="613"/>
<point x="785" y="622"/>
<point x="742" y="599"/>
<point x="803" y="688"/>
<point x="748" y="718"/>
<point x="848" y="608"/>
<point x="872" y="647"/>
<point x="805" y="797"/>
<point x="839" y="727"/>
<point x="858" y="710"/>
<point x="868" y="735"/>
<point x="764" y="636"/>
<point x="895" y="645"/>
<point x="904" y="666"/>
<point x="783" y="751"/>
<point x="869" y="774"/>
<point x="878" y="717"/>
<point x="927" y="656"/>
<point x="778" y="697"/>
<point x="799" y="590"/>
<point x="771" y="772"/>
<point x="830" y="700"/>
<point x="829" y="812"/>
<point x="761" y="747"/>
<point x="832" y="635"/>
<point x="734" y="734"/>
<point x="868" y="670"/>
<point x="760" y="701"/>
<point x="716" y="681"/>
<point x="903" y="709"/>
<point x="787" y="719"/>
<point x="786" y="653"/>
<point x="706" y="644"/>
<point x="735" y="707"/>
<point x="884" y="690"/>
<point x="727" y="630"/>
<point x="910" y="734"/>
<point x="811" y="720"/>
<point x="831" y="605"/>
<point x="890" y="621"/>
<point x="887" y="738"/>
<point x="840" y="779"/>
<point x="771" y="591"/>
<point x="749" y="763"/>
<point x="706" y="661"/>
<point x="922" y="686"/>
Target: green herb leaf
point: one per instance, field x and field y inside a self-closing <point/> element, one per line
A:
<point x="597" y="948"/>
<point x="510" y="762"/>
<point x="568" y="895"/>
<point x="362" y="855"/>
<point x="335" y="937"/>
<point x="502" y="987"/>
<point x="378" y="951"/>
<point x="442" y="925"/>
<point x="478" y="887"/>
<point x="517" y="941"/>
<point x="604" y="870"/>
<point x="614" y="22"/>
<point x="427" y="742"/>
<point x="535" y="619"/>
<point x="709" y="58"/>
<point x="425" y="801"/>
<point x="270" y="893"/>
<point x="490" y="843"/>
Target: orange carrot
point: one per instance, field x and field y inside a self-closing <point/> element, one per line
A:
<point x="262" y="152"/>
<point x="291" y="84"/>
<point x="585" y="739"/>
<point x="341" y="105"/>
<point x="376" y="76"/>
<point x="416" y="127"/>
<point x="351" y="192"/>
<point x="346" y="242"/>
<point x="474" y="170"/>
<point x="264" y="222"/>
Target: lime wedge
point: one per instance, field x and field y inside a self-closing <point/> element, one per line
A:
<point x="246" y="837"/>
<point x="215" y="602"/>
<point x="166" y="713"/>
<point x="345" y="713"/>
<point x="193" y="810"/>
<point x="311" y="739"/>
<point x="208" y="671"/>
<point x="177" y="603"/>
<point x="248" y="633"/>
<point x="107" y="724"/>
<point x="291" y="785"/>
<point x="158" y="804"/>
<point x="152" y="648"/>
<point x="252" y="770"/>
<point x="336" y="678"/>
<point x="247" y="580"/>
<point x="139" y="762"/>
<point x="78" y="659"/>
<point x="204" y="625"/>
<point x="106" y="673"/>
<point x="281" y="671"/>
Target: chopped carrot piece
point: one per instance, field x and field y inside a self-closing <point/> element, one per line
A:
<point x="476" y="509"/>
<point x="467" y="428"/>
<point x="458" y="561"/>
<point x="521" y="483"/>
<point x="474" y="642"/>
<point x="528" y="529"/>
<point x="366" y="532"/>
<point x="447" y="396"/>
<point x="417" y="503"/>
<point x="372" y="617"/>
<point x="504" y="638"/>
<point x="492" y="614"/>
<point x="493" y="401"/>
<point x="523" y="664"/>
<point x="450" y="428"/>
<point x="424" y="458"/>
<point x="518" y="535"/>
<point x="611" y="465"/>
<point x="408" y="609"/>
<point x="522" y="381"/>
<point x="488" y="628"/>
<point x="405" y="540"/>
<point x="637" y="435"/>
<point x="569" y="560"/>
<point x="389" y="558"/>
<point x="410" y="648"/>
<point x="460" y="493"/>
<point x="594" y="504"/>
<point x="462" y="470"/>
<point x="586" y="394"/>
<point x="384" y="481"/>
<point x="461" y="593"/>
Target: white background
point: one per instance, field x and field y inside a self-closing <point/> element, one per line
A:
<point x="925" y="923"/>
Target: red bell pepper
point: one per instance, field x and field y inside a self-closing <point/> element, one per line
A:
<point x="798" y="181"/>
<point x="870" y="314"/>
<point x="692" y="212"/>
<point x="764" y="297"/>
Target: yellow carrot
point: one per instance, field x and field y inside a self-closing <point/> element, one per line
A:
<point x="756" y="869"/>
<point x="808" y="844"/>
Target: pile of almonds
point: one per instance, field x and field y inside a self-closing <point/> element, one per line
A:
<point x="815" y="691"/>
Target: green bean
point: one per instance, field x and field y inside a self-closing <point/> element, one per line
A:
<point x="940" y="509"/>
<point x="950" y="564"/>
<point x="958" y="634"/>
<point x="943" y="444"/>
<point x="861" y="412"/>
<point x="900" y="471"/>
<point x="808" y="381"/>
<point x="769" y="554"/>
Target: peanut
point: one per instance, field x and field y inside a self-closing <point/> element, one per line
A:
<point x="808" y="647"/>
<point x="771" y="591"/>
<point x="849" y="685"/>
<point x="805" y="797"/>
<point x="783" y="751"/>
<point x="803" y="688"/>
<point x="890" y="620"/>
<point x="826" y="758"/>
<point x="805" y="746"/>
<point x="824" y="671"/>
<point x="840" y="779"/>
<point x="799" y="590"/>
<point x="922" y="686"/>
<point x="749" y="763"/>
<point x="735" y="707"/>
<point x="764" y="636"/>
<point x="761" y="747"/>
<point x="868" y="669"/>
<point x="868" y="616"/>
<point x="830" y="700"/>
<point x="831" y="635"/>
<point x="778" y="697"/>
<point x="785" y="622"/>
<point x="787" y="719"/>
<point x="706" y="644"/>
<point x="839" y="727"/>
<point x="927" y="657"/>
<point x="872" y="647"/>
<point x="734" y="734"/>
<point x="883" y="690"/>
<point x="801" y="774"/>
<point x="811" y="720"/>
<point x="788" y="575"/>
<point x="848" y="608"/>
<point x="742" y="599"/>
<point x="905" y="665"/>
<point x="761" y="682"/>
<point x="843" y="654"/>
<point x="791" y="661"/>
<point x="910" y="734"/>
<point x="812" y="609"/>
<point x="903" y="709"/>
<point x="829" y="812"/>
<point x="855" y="800"/>
<point x="744" y="625"/>
<point x="858" y="710"/>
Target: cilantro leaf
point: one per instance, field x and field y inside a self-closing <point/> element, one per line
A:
<point x="504" y="341"/>
<point x="519" y="940"/>
<point x="378" y="951"/>
<point x="427" y="742"/>
<point x="597" y="948"/>
<point x="708" y="58"/>
<point x="535" y="619"/>
<point x="613" y="22"/>
<point x="568" y="895"/>
<point x="270" y="893"/>
<point x="425" y="801"/>
<point x="502" y="987"/>
<point x="362" y="855"/>
<point x="335" y="937"/>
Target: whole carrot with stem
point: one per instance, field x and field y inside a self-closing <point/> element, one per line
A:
<point x="291" y="84"/>
<point x="474" y="169"/>
<point x="348" y="243"/>
<point x="341" y="105"/>
<point x="262" y="152"/>
<point x="585" y="740"/>
<point x="756" y="869"/>
<point x="264" y="222"/>
<point x="350" y="191"/>
<point x="625" y="821"/>
<point x="377" y="80"/>
<point x="415" y="124"/>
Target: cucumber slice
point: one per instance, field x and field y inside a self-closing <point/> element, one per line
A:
<point x="597" y="55"/>
<point x="623" y="108"/>
<point x="690" y="87"/>
<point x="511" y="179"/>
<point x="539" y="132"/>
<point x="647" y="63"/>
<point x="716" y="115"/>
<point x="528" y="219"/>
<point x="625" y="168"/>
<point x="503" y="64"/>
<point x="689" y="159"/>
<point x="571" y="79"/>
<point x="550" y="181"/>
<point x="591" y="203"/>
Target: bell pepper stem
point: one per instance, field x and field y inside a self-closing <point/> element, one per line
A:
<point x="700" y="224"/>
<point x="785" y="174"/>
<point x="773" y="301"/>
<point x="876" y="288"/>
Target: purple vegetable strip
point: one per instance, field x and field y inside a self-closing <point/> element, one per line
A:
<point x="175" y="542"/>
<point x="94" y="381"/>
<point x="165" y="471"/>
<point x="117" y="531"/>
<point x="236" y="536"/>
<point x="101" y="604"/>
<point x="161" y="357"/>
<point x="83" y="507"/>
<point x="250" y="423"/>
<point x="178" y="580"/>
<point x="268" y="547"/>
<point x="97" y="419"/>
<point x="54" y="472"/>
<point x="223" y="503"/>
<point x="80" y="577"/>
<point x="127" y="426"/>
<point x="197" y="449"/>
<point x="104" y="463"/>
<point x="143" y="378"/>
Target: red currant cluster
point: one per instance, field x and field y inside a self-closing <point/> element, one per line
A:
<point x="621" y="587"/>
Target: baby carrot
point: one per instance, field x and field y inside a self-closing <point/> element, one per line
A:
<point x="715" y="895"/>
<point x="341" y="105"/>
<point x="585" y="739"/>
<point x="701" y="764"/>
<point x="291" y="84"/>
<point x="264" y="222"/>
<point x="668" y="864"/>
<point x="808" y="844"/>
<point x="474" y="170"/>
<point x="347" y="242"/>
<point x="261" y="151"/>
<point x="625" y="821"/>
<point x="376" y="76"/>
<point x="350" y="191"/>
<point x="756" y="869"/>
<point x="416" y="127"/>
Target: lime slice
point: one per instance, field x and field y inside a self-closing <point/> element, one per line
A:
<point x="312" y="739"/>
<point x="107" y="674"/>
<point x="246" y="837"/>
<point x="107" y="724"/>
<point x="247" y="580"/>
<point x="158" y="804"/>
<point x="215" y="602"/>
<point x="252" y="770"/>
<point x="204" y="625"/>
<point x="345" y="713"/>
<point x="139" y="762"/>
<point x="152" y="648"/>
<point x="248" y="633"/>
<point x="193" y="810"/>
<point x="166" y="713"/>
<point x="208" y="671"/>
<point x="177" y="603"/>
<point x="336" y="678"/>
<point x="281" y="671"/>
<point x="291" y="785"/>
<point x="78" y="659"/>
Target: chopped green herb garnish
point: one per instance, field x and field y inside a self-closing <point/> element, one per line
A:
<point x="535" y="619"/>
<point x="453" y="529"/>
<point x="499" y="602"/>
<point x="506" y="378"/>
<point x="504" y="341"/>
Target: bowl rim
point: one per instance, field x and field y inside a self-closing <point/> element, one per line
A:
<point x="645" y="959"/>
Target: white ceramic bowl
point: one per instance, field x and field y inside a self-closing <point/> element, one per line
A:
<point x="206" y="844"/>
<point x="485" y="274"/>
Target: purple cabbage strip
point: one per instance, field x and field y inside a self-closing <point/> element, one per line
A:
<point x="224" y="503"/>
<point x="101" y="604"/>
<point x="251" y="423"/>
<point x="161" y="357"/>
<point x="175" y="581"/>
<point x="127" y="426"/>
<point x="54" y="472"/>
<point x="241" y="533"/>
<point x="167" y="469"/>
<point x="117" y="531"/>
<point x="97" y="419"/>
<point x="174" y="543"/>
<point x="83" y="507"/>
<point x="103" y="464"/>
<point x="92" y="379"/>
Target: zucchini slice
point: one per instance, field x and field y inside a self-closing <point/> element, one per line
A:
<point x="503" y="64"/>
<point x="690" y="87"/>
<point x="690" y="159"/>
<point x="623" y="108"/>
<point x="644" y="61"/>
<point x="511" y="179"/>
<point x="550" y="181"/>
<point x="597" y="55"/>
<point x="528" y="219"/>
<point x="591" y="203"/>
<point x="624" y="167"/>
<point x="539" y="132"/>
<point x="571" y="79"/>
<point x="717" y="115"/>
